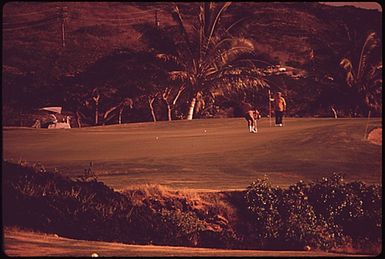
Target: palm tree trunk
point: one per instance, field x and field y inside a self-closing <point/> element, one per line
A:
<point x="78" y="119"/>
<point x="108" y="112"/>
<point x="367" y="123"/>
<point x="120" y="115"/>
<point x="150" y="103"/>
<point x="96" y="97"/>
<point x="334" y="112"/>
<point x="170" y="106"/>
<point x="97" y="114"/>
<point x="191" y="109"/>
<point x="169" y="110"/>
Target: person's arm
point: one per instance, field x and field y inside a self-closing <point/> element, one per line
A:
<point x="284" y="104"/>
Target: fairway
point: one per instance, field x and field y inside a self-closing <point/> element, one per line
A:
<point x="25" y="243"/>
<point x="211" y="154"/>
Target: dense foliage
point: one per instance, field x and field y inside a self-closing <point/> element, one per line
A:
<point x="109" y="41"/>
<point x="328" y="214"/>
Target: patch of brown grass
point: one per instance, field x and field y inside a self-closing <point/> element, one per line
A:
<point x="206" y="202"/>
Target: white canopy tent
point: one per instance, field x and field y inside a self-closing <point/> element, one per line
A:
<point x="63" y="122"/>
<point x="56" y="109"/>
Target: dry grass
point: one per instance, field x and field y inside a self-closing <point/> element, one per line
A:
<point x="201" y="201"/>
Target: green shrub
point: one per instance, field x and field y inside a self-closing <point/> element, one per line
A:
<point x="355" y="207"/>
<point x="262" y="202"/>
<point x="325" y="215"/>
<point x="303" y="227"/>
<point x="285" y="219"/>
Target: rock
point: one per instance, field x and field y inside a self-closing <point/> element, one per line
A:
<point x="375" y="136"/>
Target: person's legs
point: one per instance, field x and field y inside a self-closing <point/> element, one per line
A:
<point x="253" y="122"/>
<point x="250" y="122"/>
<point x="279" y="119"/>
<point x="248" y="119"/>
<point x="255" y="129"/>
<point x="276" y="113"/>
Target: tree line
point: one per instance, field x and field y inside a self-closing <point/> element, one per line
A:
<point x="203" y="71"/>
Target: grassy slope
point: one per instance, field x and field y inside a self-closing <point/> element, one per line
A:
<point x="217" y="154"/>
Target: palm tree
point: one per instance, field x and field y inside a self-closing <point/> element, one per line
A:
<point x="96" y="98"/>
<point x="365" y="77"/>
<point x="209" y="57"/>
<point x="170" y="99"/>
<point x="126" y="103"/>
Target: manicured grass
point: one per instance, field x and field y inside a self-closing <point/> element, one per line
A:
<point x="215" y="154"/>
<point x="26" y="243"/>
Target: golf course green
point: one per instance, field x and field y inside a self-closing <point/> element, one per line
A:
<point x="211" y="154"/>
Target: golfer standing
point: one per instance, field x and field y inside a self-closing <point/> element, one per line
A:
<point x="279" y="108"/>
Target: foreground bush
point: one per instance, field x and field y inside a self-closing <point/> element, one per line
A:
<point x="88" y="209"/>
<point x="355" y="207"/>
<point x="327" y="215"/>
<point x="324" y="215"/>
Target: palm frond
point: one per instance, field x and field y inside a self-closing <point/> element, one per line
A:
<point x="239" y="78"/>
<point x="350" y="79"/>
<point x="205" y="21"/>
<point x="223" y="44"/>
<point x="236" y="23"/>
<point x="110" y="110"/>
<point x="346" y="64"/>
<point x="178" y="19"/>
<point x="215" y="23"/>
<point x="210" y="24"/>
<point x="370" y="44"/>
<point x="178" y="75"/>
<point x="166" y="57"/>
<point x="230" y="83"/>
<point x="226" y="56"/>
<point x="201" y="30"/>
<point x="177" y="60"/>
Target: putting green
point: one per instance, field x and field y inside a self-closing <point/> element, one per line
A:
<point x="212" y="154"/>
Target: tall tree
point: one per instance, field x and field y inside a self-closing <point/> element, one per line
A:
<point x="365" y="74"/>
<point x="126" y="103"/>
<point x="208" y="56"/>
<point x="171" y="98"/>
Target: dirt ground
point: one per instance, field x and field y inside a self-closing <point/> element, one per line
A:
<point x="26" y="243"/>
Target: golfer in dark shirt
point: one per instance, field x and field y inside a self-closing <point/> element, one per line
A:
<point x="251" y="115"/>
